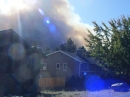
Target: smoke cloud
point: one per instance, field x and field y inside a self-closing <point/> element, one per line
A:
<point x="50" y="22"/>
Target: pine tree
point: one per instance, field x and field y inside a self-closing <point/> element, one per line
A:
<point x="47" y="50"/>
<point x="63" y="47"/>
<point x="70" y="46"/>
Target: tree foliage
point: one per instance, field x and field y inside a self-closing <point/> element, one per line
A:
<point x="68" y="46"/>
<point x="63" y="47"/>
<point x="110" y="46"/>
<point x="47" y="50"/>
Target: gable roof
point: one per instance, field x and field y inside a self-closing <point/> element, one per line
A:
<point x="69" y="54"/>
<point x="10" y="36"/>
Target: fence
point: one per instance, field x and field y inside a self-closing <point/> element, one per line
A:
<point x="52" y="82"/>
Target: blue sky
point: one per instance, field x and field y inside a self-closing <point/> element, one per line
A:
<point x="100" y="10"/>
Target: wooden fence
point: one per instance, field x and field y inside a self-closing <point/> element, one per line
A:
<point x="52" y="82"/>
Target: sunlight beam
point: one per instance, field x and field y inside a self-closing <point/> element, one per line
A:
<point x="7" y="6"/>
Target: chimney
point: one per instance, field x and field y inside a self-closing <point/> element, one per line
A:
<point x="80" y="52"/>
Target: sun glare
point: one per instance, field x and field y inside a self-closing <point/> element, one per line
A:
<point x="7" y="6"/>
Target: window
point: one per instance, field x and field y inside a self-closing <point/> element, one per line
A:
<point x="44" y="66"/>
<point x="57" y="65"/>
<point x="64" y="66"/>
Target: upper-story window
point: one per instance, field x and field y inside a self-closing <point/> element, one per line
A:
<point x="64" y="66"/>
<point x="57" y="65"/>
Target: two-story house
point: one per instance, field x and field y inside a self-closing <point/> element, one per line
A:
<point x="60" y="65"/>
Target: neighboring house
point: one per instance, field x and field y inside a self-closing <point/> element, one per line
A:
<point x="12" y="54"/>
<point x="103" y="70"/>
<point x="12" y="50"/>
<point x="61" y="64"/>
<point x="19" y="64"/>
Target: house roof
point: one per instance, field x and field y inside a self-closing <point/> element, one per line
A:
<point x="10" y="36"/>
<point x="69" y="54"/>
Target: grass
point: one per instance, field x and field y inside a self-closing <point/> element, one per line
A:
<point x="103" y="93"/>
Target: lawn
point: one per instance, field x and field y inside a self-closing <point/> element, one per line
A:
<point x="103" y="93"/>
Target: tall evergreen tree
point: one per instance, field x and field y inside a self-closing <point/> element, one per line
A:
<point x="63" y="47"/>
<point x="110" y="46"/>
<point x="47" y="50"/>
<point x="70" y="46"/>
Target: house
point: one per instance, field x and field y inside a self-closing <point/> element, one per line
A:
<point x="60" y="65"/>
<point x="19" y="64"/>
<point x="12" y="54"/>
<point x="12" y="47"/>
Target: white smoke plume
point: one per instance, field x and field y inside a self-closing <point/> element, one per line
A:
<point x="50" y="22"/>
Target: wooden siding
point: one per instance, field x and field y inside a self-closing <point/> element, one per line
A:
<point x="51" y="71"/>
<point x="51" y="82"/>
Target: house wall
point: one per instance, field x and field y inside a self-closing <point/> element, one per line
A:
<point x="72" y="66"/>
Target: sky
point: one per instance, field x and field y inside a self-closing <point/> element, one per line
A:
<point x="100" y="10"/>
<point x="52" y="22"/>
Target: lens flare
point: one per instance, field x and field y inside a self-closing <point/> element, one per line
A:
<point x="25" y="72"/>
<point x="16" y="51"/>
<point x="52" y="28"/>
<point x="41" y="11"/>
<point x="47" y="20"/>
<point x="85" y="73"/>
<point x="94" y="83"/>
